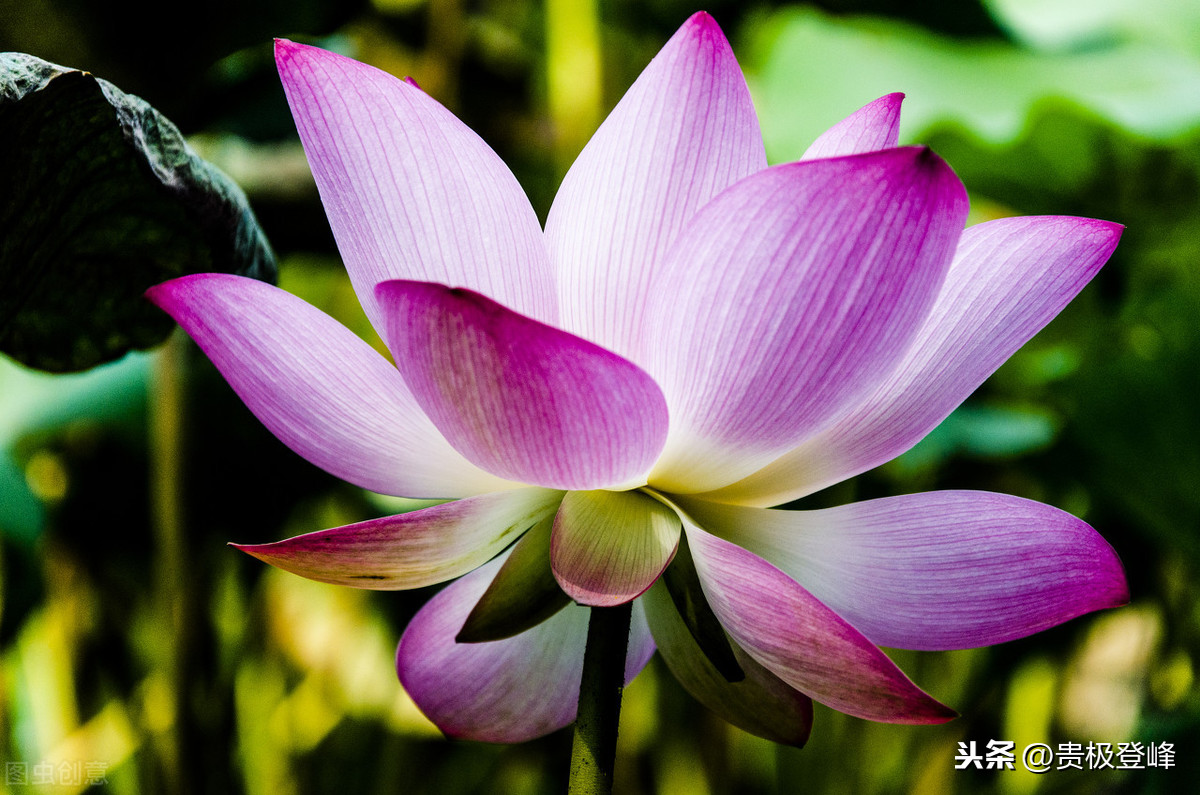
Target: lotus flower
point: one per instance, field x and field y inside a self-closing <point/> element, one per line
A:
<point x="611" y="404"/>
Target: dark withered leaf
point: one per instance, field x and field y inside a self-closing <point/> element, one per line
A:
<point x="103" y="198"/>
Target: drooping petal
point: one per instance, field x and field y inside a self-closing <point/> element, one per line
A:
<point x="504" y="691"/>
<point x="412" y="550"/>
<point x="682" y="584"/>
<point x="934" y="571"/>
<point x="872" y="127"/>
<point x="324" y="392"/>
<point x="522" y="399"/>
<point x="522" y="595"/>
<point x="800" y="640"/>
<point x="684" y="131"/>
<point x="762" y="703"/>
<point x="641" y="643"/>
<point x="789" y="296"/>
<point x="1010" y="277"/>
<point x="608" y="547"/>
<point x="411" y="192"/>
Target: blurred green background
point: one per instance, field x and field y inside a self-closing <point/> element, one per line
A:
<point x="137" y="649"/>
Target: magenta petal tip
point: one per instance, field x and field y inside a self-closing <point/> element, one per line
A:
<point x="285" y="49"/>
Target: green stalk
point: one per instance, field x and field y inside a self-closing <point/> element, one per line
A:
<point x="574" y="68"/>
<point x="174" y="588"/>
<point x="594" y="751"/>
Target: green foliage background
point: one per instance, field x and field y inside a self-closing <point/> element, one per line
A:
<point x="132" y="638"/>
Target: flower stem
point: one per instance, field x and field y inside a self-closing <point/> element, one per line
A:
<point x="593" y="754"/>
<point x="175" y="591"/>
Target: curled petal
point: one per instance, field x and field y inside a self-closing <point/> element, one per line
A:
<point x="411" y="192"/>
<point x="504" y="691"/>
<point x="874" y="126"/>
<point x="1010" y="277"/>
<point x="790" y="295"/>
<point x="414" y="549"/>
<point x="801" y="641"/>
<point x="522" y="399"/>
<point x="324" y="392"/>
<point x="608" y="547"/>
<point x="761" y="703"/>
<point x="933" y="571"/>
<point x="683" y="132"/>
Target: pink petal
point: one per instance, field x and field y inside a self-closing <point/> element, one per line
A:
<point x="414" y="549"/>
<point x="324" y="392"/>
<point x="761" y="704"/>
<point x="800" y="640"/>
<point x="521" y="398"/>
<point x="872" y="127"/>
<point x="1009" y="279"/>
<point x="684" y="131"/>
<point x="941" y="570"/>
<point x="788" y="297"/>
<point x="608" y="547"/>
<point x="504" y="691"/>
<point x="410" y="191"/>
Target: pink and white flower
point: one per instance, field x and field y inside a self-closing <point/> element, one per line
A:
<point x="693" y="337"/>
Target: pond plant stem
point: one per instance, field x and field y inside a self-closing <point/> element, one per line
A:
<point x="174" y="592"/>
<point x="594" y="751"/>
